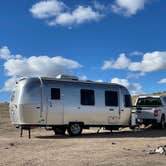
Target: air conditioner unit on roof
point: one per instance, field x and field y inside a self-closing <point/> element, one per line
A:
<point x="67" y="77"/>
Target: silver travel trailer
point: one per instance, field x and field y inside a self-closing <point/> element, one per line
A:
<point x="68" y="103"/>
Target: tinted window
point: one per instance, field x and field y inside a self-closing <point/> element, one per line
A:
<point x="87" y="97"/>
<point x="55" y="93"/>
<point x="127" y="101"/>
<point x="164" y="99"/>
<point x="111" y="98"/>
<point x="149" y="101"/>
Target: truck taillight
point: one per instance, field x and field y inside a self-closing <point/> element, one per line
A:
<point x="156" y="113"/>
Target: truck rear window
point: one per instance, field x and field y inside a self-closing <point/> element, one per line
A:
<point x="149" y="101"/>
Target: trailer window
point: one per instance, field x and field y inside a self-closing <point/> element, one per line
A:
<point x="87" y="97"/>
<point x="127" y="101"/>
<point x="55" y="93"/>
<point x="111" y="98"/>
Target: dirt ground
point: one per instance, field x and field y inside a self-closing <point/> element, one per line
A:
<point x="122" y="148"/>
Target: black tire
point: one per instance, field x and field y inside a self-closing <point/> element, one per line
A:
<point x="162" y="122"/>
<point x="59" y="130"/>
<point x="75" y="129"/>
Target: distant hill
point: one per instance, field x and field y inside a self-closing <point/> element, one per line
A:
<point x="5" y="123"/>
<point x="4" y="106"/>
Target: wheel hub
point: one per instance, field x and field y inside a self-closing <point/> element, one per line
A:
<point x="75" y="128"/>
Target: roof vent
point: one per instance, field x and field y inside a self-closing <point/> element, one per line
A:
<point x="67" y="77"/>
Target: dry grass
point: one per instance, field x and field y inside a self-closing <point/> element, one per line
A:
<point x="123" y="148"/>
<point x="5" y="123"/>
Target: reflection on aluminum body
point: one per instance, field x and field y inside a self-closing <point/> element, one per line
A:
<point x="32" y="103"/>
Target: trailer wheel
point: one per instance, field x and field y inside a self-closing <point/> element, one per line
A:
<point x="74" y="129"/>
<point x="59" y="130"/>
<point x="162" y="122"/>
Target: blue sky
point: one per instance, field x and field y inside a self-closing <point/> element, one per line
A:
<point x="95" y="40"/>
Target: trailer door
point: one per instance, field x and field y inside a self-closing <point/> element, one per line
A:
<point x="112" y="106"/>
<point x="55" y="113"/>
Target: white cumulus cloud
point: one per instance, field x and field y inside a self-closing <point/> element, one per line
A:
<point x="47" y="9"/>
<point x="78" y="16"/>
<point x="9" y="84"/>
<point x="121" y="63"/>
<point x="134" y="88"/>
<point x="162" y="81"/>
<point x="55" y="12"/>
<point x="128" y="7"/>
<point x="152" y="61"/>
<point x="5" y="53"/>
<point x="135" y="74"/>
<point x="18" y="66"/>
<point x="39" y="65"/>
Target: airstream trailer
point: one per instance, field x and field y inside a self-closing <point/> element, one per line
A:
<point x="67" y="103"/>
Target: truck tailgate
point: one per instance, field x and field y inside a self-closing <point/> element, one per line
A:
<point x="145" y="112"/>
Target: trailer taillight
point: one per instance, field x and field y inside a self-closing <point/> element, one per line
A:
<point x="156" y="113"/>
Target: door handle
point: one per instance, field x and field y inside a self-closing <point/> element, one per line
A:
<point x="37" y="107"/>
<point x="111" y="109"/>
